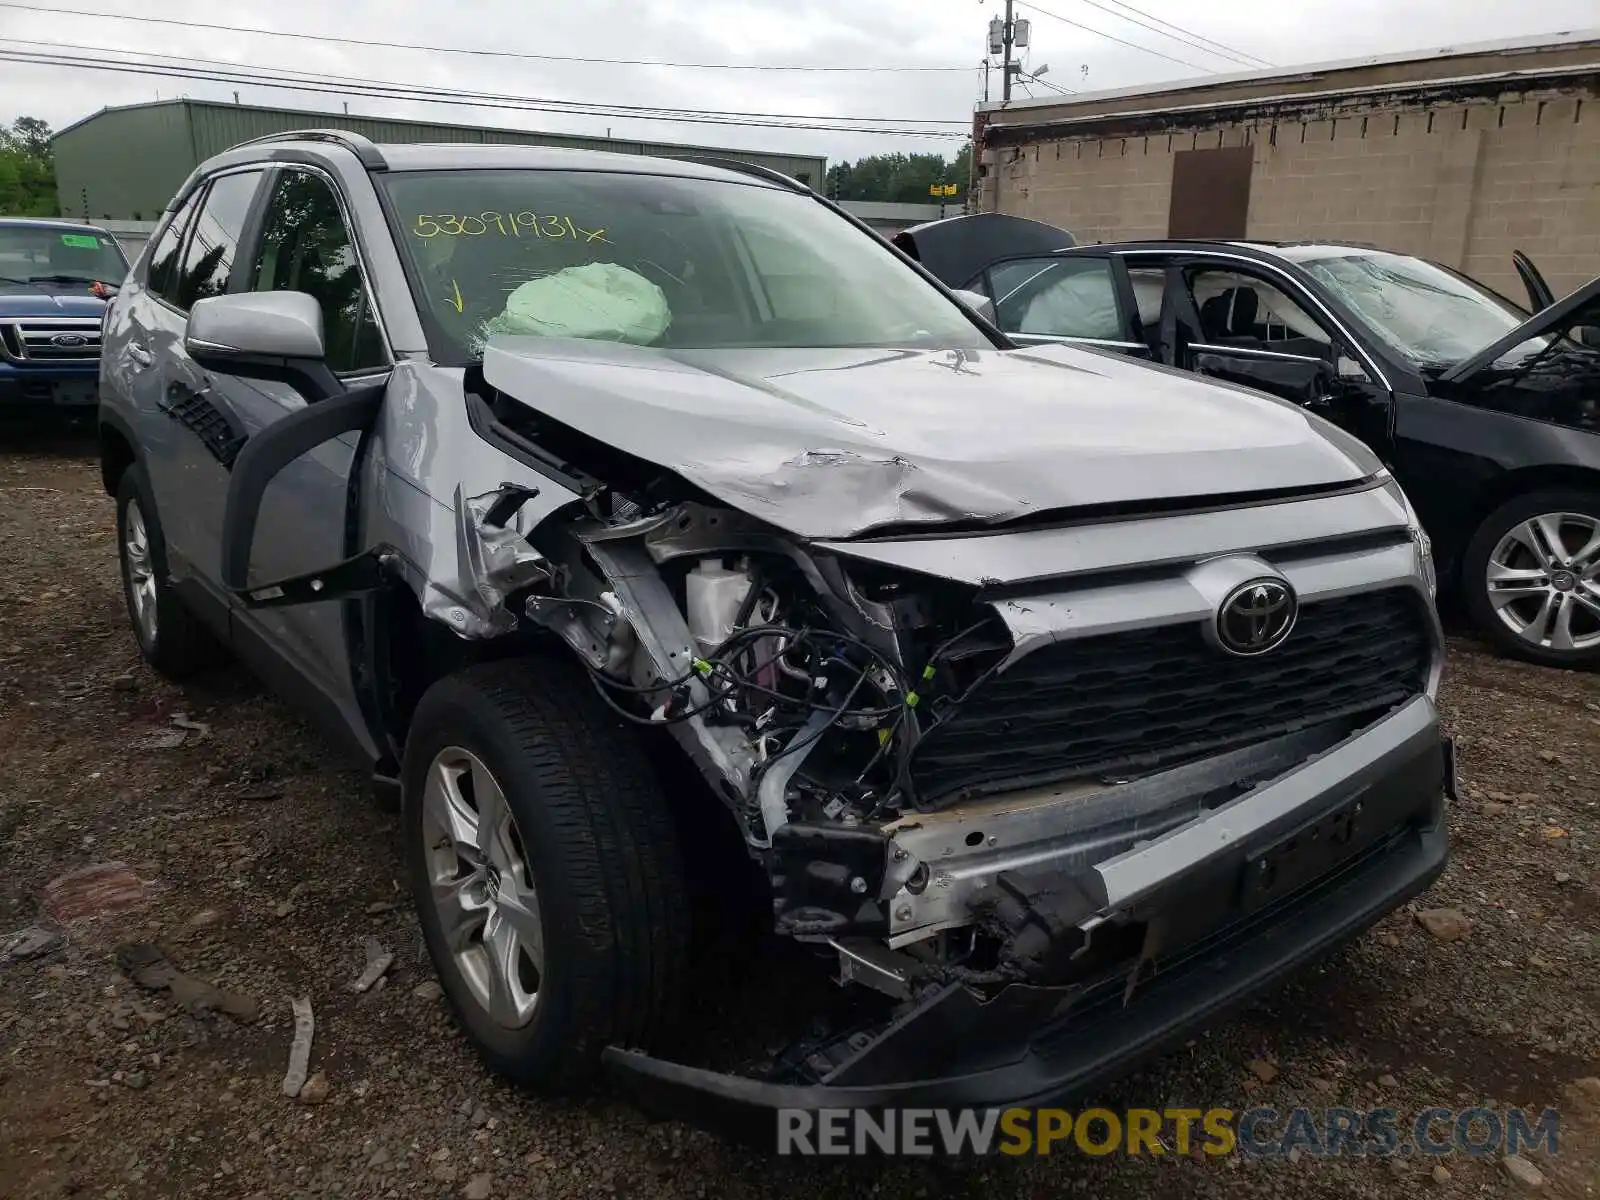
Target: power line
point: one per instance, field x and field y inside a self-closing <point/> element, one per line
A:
<point x="1052" y="86"/>
<point x="1217" y="48"/>
<point x="1199" y="37"/>
<point x="602" y="108"/>
<point x="308" y="82"/>
<point x="574" y="58"/>
<point x="1024" y="77"/>
<point x="1111" y="37"/>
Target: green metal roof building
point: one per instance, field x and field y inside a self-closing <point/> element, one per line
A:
<point x="126" y="163"/>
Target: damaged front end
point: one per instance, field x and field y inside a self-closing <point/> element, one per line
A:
<point x="1010" y="784"/>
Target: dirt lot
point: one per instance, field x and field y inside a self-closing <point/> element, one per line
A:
<point x="264" y="867"/>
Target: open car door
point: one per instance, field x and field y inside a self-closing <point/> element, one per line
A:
<point x="1540" y="297"/>
<point x="1569" y="325"/>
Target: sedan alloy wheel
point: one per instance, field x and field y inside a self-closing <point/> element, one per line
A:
<point x="1543" y="581"/>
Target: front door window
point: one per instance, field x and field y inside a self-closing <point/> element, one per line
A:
<point x="1057" y="297"/>
<point x="305" y="247"/>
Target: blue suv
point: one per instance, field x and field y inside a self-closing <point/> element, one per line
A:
<point x="55" y="278"/>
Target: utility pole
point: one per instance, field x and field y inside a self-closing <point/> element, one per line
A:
<point x="1009" y="32"/>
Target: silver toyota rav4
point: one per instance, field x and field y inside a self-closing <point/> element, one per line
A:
<point x="1060" y="700"/>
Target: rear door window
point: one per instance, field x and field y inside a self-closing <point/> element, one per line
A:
<point x="208" y="257"/>
<point x="1242" y="309"/>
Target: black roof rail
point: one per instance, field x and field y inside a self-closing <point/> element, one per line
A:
<point x="749" y="168"/>
<point x="362" y="147"/>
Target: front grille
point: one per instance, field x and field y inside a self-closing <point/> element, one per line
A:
<point x="1145" y="700"/>
<point x="66" y="339"/>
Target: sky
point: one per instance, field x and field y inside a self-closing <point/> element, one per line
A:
<point x="888" y="34"/>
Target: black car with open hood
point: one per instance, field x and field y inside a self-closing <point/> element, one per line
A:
<point x="1488" y="417"/>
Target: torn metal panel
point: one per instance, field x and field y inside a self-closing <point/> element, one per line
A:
<point x="691" y="529"/>
<point x="1067" y="830"/>
<point x="1411" y="731"/>
<point x="597" y="629"/>
<point x="832" y="443"/>
<point x="430" y="485"/>
<point x="723" y="754"/>
<point x="496" y="558"/>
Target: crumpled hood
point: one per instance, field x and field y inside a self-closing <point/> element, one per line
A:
<point x="833" y="443"/>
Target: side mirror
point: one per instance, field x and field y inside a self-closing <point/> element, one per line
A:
<point x="1322" y="386"/>
<point x="274" y="336"/>
<point x="977" y="302"/>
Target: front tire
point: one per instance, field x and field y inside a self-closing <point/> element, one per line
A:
<point x="1530" y="577"/>
<point x="171" y="638"/>
<point x="545" y="868"/>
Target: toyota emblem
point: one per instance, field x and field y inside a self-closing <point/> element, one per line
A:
<point x="1256" y="617"/>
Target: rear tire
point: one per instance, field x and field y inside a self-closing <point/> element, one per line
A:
<point x="170" y="638"/>
<point x="586" y="845"/>
<point x="1530" y="577"/>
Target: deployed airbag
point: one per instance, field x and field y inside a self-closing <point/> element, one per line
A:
<point x="603" y="301"/>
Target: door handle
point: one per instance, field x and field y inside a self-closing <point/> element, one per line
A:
<point x="141" y="357"/>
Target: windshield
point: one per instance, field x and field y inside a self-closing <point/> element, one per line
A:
<point x="1432" y="316"/>
<point x="654" y="261"/>
<point x="52" y="254"/>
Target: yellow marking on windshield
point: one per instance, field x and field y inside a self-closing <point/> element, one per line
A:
<point x="456" y="297"/>
<point x="507" y="224"/>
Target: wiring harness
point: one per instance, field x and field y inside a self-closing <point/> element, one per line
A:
<point x="773" y="678"/>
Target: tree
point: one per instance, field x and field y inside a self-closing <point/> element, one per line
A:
<point x="33" y="135"/>
<point x="961" y="167"/>
<point x="900" y="178"/>
<point x="27" y="169"/>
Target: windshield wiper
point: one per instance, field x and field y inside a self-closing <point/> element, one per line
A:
<point x="63" y="279"/>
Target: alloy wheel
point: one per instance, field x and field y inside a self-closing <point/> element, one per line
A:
<point x="481" y="886"/>
<point x="141" y="572"/>
<point x="1543" y="581"/>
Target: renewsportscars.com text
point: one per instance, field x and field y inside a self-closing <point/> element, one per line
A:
<point x="1257" y="1132"/>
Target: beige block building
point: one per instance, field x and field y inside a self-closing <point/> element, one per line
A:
<point x="1462" y="156"/>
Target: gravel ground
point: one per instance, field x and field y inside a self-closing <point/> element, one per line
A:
<point x="262" y="866"/>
